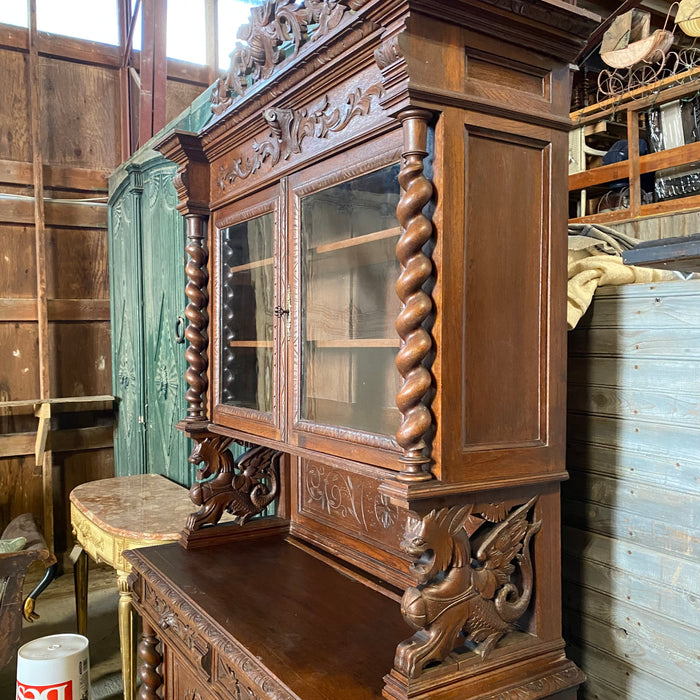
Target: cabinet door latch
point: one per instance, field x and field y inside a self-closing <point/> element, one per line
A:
<point x="278" y="311"/>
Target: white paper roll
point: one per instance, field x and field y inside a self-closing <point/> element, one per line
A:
<point x="54" y="668"/>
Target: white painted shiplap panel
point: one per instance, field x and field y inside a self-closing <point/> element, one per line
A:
<point x="669" y="376"/>
<point x="653" y="470"/>
<point x="674" y="408"/>
<point x="656" y="504"/>
<point x="638" y="641"/>
<point x="679" y="442"/>
<point x="631" y="537"/>
<point x="636" y="559"/>
<point x="630" y="681"/>
<point x="630" y="527"/>
<point x="671" y="304"/>
<point x="673" y="343"/>
<point x="660" y="598"/>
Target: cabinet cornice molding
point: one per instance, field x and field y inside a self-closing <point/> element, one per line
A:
<point x="192" y="178"/>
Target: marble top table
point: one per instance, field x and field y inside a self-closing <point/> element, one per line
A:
<point x="111" y="515"/>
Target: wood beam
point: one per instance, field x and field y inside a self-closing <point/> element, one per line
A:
<point x="153" y="71"/>
<point x="211" y="25"/>
<point x="17" y="172"/>
<point x="59" y="310"/>
<point x="39" y="215"/>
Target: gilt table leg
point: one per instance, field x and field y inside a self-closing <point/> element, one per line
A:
<point x="80" y="577"/>
<point x="151" y="680"/>
<point x="127" y="636"/>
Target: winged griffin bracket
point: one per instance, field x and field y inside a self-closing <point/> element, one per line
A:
<point x="474" y="580"/>
<point x="243" y="487"/>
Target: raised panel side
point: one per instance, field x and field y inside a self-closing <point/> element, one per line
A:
<point x="505" y="282"/>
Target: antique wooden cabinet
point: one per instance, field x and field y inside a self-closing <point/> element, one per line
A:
<point x="376" y="239"/>
<point x="146" y="252"/>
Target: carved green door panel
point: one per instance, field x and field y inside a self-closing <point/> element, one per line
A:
<point x="163" y="303"/>
<point x="127" y="321"/>
<point x="147" y="281"/>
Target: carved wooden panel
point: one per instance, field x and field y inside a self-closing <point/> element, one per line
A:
<point x="163" y="302"/>
<point x="350" y="502"/>
<point x="506" y="232"/>
<point x="287" y="136"/>
<point x="127" y="321"/>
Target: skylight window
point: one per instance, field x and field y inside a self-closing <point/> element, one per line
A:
<point x="94" y="20"/>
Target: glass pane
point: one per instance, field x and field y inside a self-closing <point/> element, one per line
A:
<point x="246" y="313"/>
<point x="186" y="37"/>
<point x="14" y="13"/>
<point x="349" y="269"/>
<point x="95" y="20"/>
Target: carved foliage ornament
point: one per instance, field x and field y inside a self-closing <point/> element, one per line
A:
<point x="289" y="128"/>
<point x="275" y="31"/>
<point x="465" y="597"/>
<point x="242" y="487"/>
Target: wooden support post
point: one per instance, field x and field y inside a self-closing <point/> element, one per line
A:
<point x="44" y="414"/>
<point x="212" y="38"/>
<point x="153" y="69"/>
<point x="44" y="459"/>
<point x="39" y="215"/>
<point x="633" y="160"/>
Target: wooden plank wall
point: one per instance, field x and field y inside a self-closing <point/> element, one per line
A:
<point x="631" y="560"/>
<point x="80" y="131"/>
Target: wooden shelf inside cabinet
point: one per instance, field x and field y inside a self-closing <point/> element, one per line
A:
<point x="368" y="249"/>
<point x="359" y="343"/>
<point x="251" y="265"/>
<point x="633" y="104"/>
<point x="250" y="343"/>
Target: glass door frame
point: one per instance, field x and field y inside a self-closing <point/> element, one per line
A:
<point x="367" y="447"/>
<point x="267" y="425"/>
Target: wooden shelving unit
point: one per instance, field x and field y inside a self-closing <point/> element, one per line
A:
<point x="633" y="104"/>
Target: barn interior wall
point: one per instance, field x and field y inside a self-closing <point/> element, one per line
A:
<point x="80" y="132"/>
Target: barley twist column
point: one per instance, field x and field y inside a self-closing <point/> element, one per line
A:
<point x="151" y="680"/>
<point x="196" y="313"/>
<point x="416" y="270"/>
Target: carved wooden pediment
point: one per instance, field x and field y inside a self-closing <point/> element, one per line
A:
<point x="275" y="32"/>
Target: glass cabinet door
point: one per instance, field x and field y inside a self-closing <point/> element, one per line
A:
<point x="246" y="314"/>
<point x="348" y="305"/>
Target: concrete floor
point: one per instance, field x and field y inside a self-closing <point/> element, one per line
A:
<point x="56" y="606"/>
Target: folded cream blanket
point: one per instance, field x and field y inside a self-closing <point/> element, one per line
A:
<point x="594" y="261"/>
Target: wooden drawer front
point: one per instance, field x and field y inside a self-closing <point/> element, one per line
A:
<point x="177" y="630"/>
<point x="182" y="682"/>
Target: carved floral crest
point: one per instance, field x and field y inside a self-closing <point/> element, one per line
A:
<point x="275" y="32"/>
<point x="289" y="128"/>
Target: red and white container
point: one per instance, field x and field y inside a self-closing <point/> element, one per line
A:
<point x="54" y="668"/>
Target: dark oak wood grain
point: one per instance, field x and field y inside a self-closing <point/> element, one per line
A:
<point x="358" y="146"/>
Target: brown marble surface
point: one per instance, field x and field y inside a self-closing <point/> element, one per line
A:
<point x="143" y="506"/>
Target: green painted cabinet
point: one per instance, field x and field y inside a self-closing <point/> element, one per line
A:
<point x="147" y="283"/>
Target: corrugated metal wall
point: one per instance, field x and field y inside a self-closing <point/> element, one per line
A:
<point x="631" y="509"/>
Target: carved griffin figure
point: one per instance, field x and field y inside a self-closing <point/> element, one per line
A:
<point x="462" y="598"/>
<point x="242" y="487"/>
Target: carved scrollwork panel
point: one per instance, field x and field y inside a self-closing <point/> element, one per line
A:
<point x="242" y="487"/>
<point x="474" y="580"/>
<point x="290" y="127"/>
<point x="350" y="502"/>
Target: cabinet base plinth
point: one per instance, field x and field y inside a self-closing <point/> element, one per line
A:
<point x="537" y="678"/>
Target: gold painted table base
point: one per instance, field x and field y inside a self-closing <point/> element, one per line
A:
<point x="110" y="516"/>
